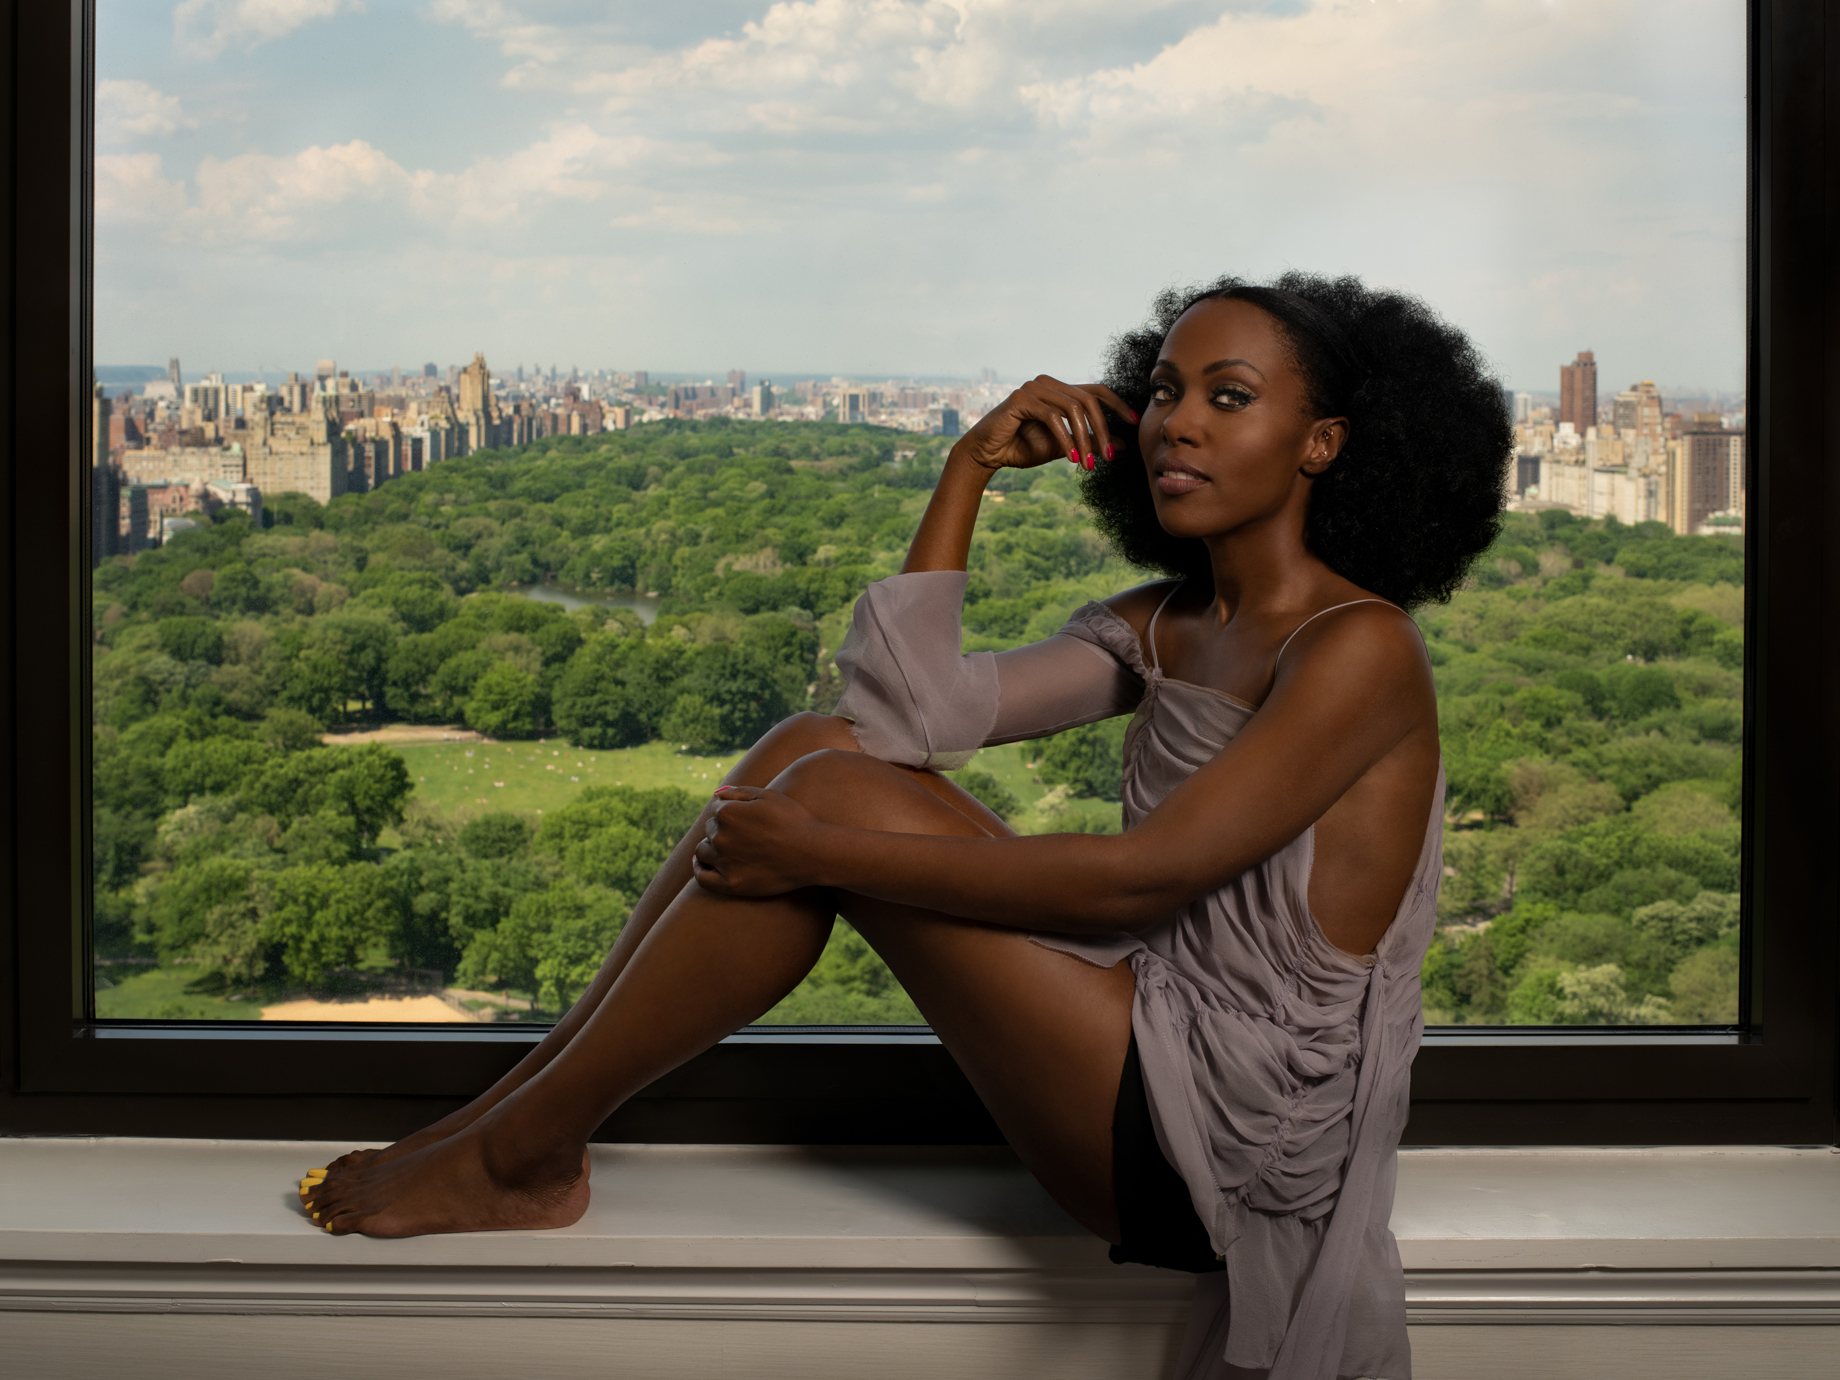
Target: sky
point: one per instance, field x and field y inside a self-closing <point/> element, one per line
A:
<point x="906" y="187"/>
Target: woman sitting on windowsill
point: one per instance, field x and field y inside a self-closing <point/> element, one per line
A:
<point x="1196" y="1033"/>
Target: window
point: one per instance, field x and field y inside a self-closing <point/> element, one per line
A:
<point x="1579" y="212"/>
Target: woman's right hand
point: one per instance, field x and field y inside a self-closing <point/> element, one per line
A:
<point x="1044" y="420"/>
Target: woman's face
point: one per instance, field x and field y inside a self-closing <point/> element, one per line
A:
<point x="1228" y="437"/>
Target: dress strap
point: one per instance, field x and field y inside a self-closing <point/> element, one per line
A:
<point x="1150" y="633"/>
<point x="1311" y="619"/>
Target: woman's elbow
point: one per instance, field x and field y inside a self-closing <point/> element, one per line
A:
<point x="1132" y="909"/>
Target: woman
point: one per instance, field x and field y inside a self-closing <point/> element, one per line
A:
<point x="1196" y="1033"/>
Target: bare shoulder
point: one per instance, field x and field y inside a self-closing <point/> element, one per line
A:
<point x="1139" y="604"/>
<point x="1374" y="643"/>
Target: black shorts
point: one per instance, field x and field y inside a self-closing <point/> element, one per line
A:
<point x="1156" y="1216"/>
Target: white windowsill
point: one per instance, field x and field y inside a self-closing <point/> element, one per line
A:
<point x="102" y="1240"/>
<point x="1479" y="1231"/>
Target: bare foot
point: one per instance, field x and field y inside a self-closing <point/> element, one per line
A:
<point x="450" y="1186"/>
<point x="453" y="1123"/>
<point x="353" y="1160"/>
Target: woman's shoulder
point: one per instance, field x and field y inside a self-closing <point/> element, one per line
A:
<point x="1365" y="635"/>
<point x="1138" y="605"/>
<point x="1117" y="625"/>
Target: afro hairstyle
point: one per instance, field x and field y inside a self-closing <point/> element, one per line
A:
<point x="1415" y="494"/>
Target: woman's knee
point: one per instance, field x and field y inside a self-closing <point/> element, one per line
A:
<point x="792" y="738"/>
<point x="851" y="787"/>
<point x="787" y="741"/>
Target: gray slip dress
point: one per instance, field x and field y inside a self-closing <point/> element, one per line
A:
<point x="1277" y="1065"/>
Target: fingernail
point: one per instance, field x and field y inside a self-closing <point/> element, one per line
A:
<point x="1089" y="462"/>
<point x="1134" y="416"/>
<point x="1108" y="451"/>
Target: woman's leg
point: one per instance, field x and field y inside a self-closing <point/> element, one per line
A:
<point x="1041" y="1035"/>
<point x="779" y="748"/>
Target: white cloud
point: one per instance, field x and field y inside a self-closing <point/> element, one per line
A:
<point x="356" y="191"/>
<point x="257" y="197"/>
<point x="205" y="28"/>
<point x="133" y="109"/>
<point x="824" y="67"/>
<point x="133" y="187"/>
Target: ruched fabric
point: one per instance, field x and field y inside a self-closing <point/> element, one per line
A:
<point x="1277" y="1065"/>
<point x="915" y="700"/>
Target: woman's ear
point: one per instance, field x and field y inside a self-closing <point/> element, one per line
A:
<point x="1325" y="442"/>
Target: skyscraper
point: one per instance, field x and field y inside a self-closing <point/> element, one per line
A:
<point x="1703" y="464"/>
<point x="1639" y="419"/>
<point x="475" y="386"/>
<point x="104" y="480"/>
<point x="478" y="408"/>
<point x="1578" y="392"/>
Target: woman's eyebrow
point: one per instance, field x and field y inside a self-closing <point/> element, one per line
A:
<point x="1220" y="364"/>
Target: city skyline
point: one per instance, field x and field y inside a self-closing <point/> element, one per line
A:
<point x="910" y="190"/>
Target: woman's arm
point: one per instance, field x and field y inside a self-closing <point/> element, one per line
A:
<point x="910" y="694"/>
<point x="1041" y="421"/>
<point x="1358" y="695"/>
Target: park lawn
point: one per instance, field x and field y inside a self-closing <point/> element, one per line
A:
<point x="1014" y="765"/>
<point x="462" y="781"/>
<point x="465" y="780"/>
<point x="140" y="993"/>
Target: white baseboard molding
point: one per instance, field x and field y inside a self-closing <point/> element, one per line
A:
<point x="1601" y="1298"/>
<point x="49" y="1346"/>
<point x="1449" y="1298"/>
<point x="844" y="1296"/>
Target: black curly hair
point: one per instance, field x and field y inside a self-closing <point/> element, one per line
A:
<point x="1415" y="494"/>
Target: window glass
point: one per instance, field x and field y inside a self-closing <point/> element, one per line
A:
<point x="499" y="407"/>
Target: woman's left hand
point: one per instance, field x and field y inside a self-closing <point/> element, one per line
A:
<point x="757" y="843"/>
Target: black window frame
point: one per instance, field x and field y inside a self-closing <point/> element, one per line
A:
<point x="1769" y="1080"/>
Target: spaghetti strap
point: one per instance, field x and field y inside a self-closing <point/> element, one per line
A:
<point x="1311" y="619"/>
<point x="1150" y="632"/>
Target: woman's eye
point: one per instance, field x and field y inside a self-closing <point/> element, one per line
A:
<point x="1231" y="398"/>
<point x="1161" y="392"/>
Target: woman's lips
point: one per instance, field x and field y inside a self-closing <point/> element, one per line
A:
<point x="1173" y="477"/>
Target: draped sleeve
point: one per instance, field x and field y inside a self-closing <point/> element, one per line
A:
<point x="913" y="697"/>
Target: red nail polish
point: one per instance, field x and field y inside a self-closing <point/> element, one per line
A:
<point x="1134" y="417"/>
<point x="1108" y="451"/>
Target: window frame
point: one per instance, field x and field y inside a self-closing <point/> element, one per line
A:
<point x="1769" y="1080"/>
